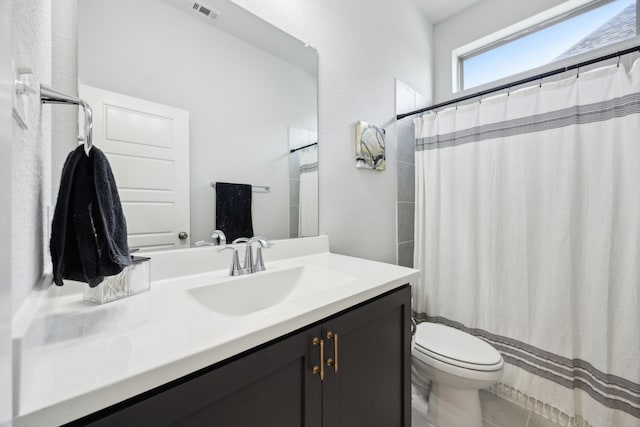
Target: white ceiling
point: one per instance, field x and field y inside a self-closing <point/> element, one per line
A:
<point x="441" y="10"/>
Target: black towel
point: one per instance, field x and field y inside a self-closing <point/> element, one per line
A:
<point x="233" y="210"/>
<point x="89" y="230"/>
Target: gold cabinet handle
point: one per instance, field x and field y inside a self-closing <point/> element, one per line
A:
<point x="333" y="362"/>
<point x="319" y="369"/>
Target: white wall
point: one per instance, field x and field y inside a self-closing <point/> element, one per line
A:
<point x="478" y="21"/>
<point x="31" y="148"/>
<point x="363" y="45"/>
<point x="64" y="77"/>
<point x="35" y="43"/>
<point x="6" y="79"/>
<point x="241" y="99"/>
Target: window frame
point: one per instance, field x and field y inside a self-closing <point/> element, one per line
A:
<point x="547" y="18"/>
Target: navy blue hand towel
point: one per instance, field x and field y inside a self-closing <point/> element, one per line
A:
<point x="89" y="230"/>
<point x="233" y="210"/>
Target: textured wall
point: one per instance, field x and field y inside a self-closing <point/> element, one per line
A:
<point x="36" y="42"/>
<point x="478" y="21"/>
<point x="6" y="80"/>
<point x="363" y="46"/>
<point x="64" y="123"/>
<point x="32" y="49"/>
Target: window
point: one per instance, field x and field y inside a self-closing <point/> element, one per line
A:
<point x="587" y="27"/>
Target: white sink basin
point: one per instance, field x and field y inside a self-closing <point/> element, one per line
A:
<point x="242" y="295"/>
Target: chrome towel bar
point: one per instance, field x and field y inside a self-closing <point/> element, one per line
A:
<point x="266" y="188"/>
<point x="49" y="95"/>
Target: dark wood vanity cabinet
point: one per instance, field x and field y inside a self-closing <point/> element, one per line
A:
<point x="372" y="386"/>
<point x="279" y="384"/>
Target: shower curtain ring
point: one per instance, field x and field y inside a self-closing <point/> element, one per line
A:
<point x="540" y="83"/>
<point x="618" y="64"/>
<point x="577" y="72"/>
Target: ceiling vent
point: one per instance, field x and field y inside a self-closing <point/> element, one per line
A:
<point x="204" y="10"/>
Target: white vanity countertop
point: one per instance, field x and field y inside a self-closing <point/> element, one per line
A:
<point x="89" y="357"/>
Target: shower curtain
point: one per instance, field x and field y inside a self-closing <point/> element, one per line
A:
<point x="528" y="235"/>
<point x="308" y="210"/>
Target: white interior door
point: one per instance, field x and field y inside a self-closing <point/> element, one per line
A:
<point x="147" y="145"/>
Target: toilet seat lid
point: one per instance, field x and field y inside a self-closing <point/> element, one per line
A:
<point x="456" y="347"/>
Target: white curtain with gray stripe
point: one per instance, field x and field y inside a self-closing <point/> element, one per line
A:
<point x="528" y="234"/>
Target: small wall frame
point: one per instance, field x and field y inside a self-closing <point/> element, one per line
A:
<point x="370" y="147"/>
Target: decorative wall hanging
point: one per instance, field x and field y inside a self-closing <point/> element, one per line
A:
<point x="370" y="150"/>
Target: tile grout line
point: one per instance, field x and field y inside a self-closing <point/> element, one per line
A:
<point x="528" y="418"/>
<point x="406" y="241"/>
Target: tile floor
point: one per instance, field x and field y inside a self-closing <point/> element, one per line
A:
<point x="499" y="412"/>
<point x="496" y="412"/>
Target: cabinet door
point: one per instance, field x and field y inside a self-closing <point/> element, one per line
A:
<point x="273" y="386"/>
<point x="372" y="386"/>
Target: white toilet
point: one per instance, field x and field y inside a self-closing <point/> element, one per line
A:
<point x="453" y="365"/>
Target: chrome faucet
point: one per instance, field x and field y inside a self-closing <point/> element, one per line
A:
<point x="218" y="238"/>
<point x="235" y="269"/>
<point x="249" y="266"/>
<point x="248" y="257"/>
<point x="259" y="263"/>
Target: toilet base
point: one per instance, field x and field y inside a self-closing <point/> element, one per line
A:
<point x="454" y="407"/>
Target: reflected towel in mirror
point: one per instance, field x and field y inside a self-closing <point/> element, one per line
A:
<point x="233" y="210"/>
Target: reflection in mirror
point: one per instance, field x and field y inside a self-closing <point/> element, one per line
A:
<point x="303" y="182"/>
<point x="183" y="100"/>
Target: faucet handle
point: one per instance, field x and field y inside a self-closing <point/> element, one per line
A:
<point x="240" y="240"/>
<point x="218" y="235"/>
<point x="264" y="243"/>
<point x="235" y="269"/>
<point x="261" y="240"/>
<point x="218" y="239"/>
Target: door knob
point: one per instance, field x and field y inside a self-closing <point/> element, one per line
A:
<point x="183" y="235"/>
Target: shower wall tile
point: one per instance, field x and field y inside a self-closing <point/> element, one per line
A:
<point x="294" y="166"/>
<point x="294" y="192"/>
<point x="406" y="182"/>
<point x="405" y="254"/>
<point x="405" y="98"/>
<point x="406" y="143"/>
<point x="405" y="222"/>
<point x="421" y="101"/>
<point x="293" y="221"/>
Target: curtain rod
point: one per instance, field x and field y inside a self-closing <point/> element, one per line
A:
<point x="522" y="81"/>
<point x="302" y="148"/>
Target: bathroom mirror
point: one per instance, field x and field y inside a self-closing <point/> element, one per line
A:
<point x="212" y="86"/>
